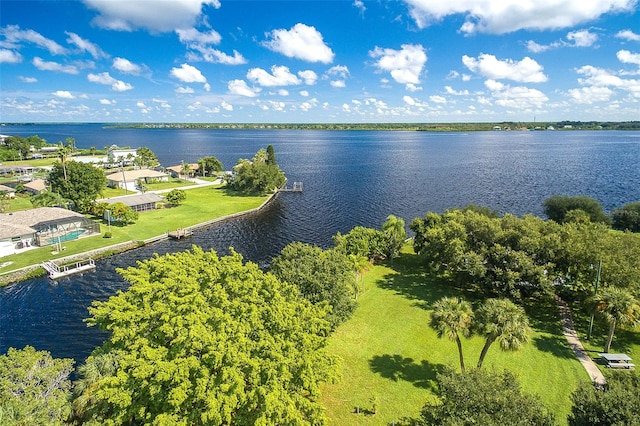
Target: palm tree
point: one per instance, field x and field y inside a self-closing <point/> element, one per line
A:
<point x="360" y="264"/>
<point x="49" y="199"/>
<point x="96" y="368"/>
<point x="63" y="153"/>
<point x="186" y="169"/>
<point x="394" y="231"/>
<point x="452" y="316"/>
<point x="617" y="306"/>
<point x="504" y="321"/>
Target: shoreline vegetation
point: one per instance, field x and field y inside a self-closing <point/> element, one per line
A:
<point x="426" y="127"/>
<point x="193" y="214"/>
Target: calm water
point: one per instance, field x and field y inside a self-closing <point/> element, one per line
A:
<point x="350" y="178"/>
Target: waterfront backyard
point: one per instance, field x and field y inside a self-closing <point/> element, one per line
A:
<point x="391" y="357"/>
<point x="203" y="203"/>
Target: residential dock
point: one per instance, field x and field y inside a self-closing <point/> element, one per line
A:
<point x="180" y="233"/>
<point x="56" y="271"/>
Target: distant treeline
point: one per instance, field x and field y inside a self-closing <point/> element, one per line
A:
<point x="428" y="127"/>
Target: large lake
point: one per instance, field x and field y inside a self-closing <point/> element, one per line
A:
<point x="350" y="178"/>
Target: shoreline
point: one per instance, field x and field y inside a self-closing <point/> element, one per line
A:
<point x="34" y="271"/>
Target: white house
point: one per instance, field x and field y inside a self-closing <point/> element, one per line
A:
<point x="119" y="155"/>
<point x="129" y="179"/>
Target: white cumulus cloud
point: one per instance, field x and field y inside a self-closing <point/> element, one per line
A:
<point x="64" y="94"/>
<point x="43" y="65"/>
<point x="209" y="54"/>
<point x="126" y="66"/>
<point x="505" y="16"/>
<point x="153" y="15"/>
<point x="627" y="57"/>
<point x="582" y="38"/>
<point x="240" y="87"/>
<point x="518" y="98"/>
<point x="310" y="77"/>
<point x="85" y="45"/>
<point x="628" y="35"/>
<point x="527" y="70"/>
<point x="9" y="57"/>
<point x="590" y="95"/>
<point x="192" y="35"/>
<point x="106" y="79"/>
<point x="280" y="76"/>
<point x="184" y="90"/>
<point x="405" y="65"/>
<point x="301" y="42"/>
<point x="188" y="74"/>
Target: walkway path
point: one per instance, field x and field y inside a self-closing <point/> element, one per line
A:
<point x="572" y="337"/>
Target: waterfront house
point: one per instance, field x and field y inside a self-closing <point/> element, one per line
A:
<point x="11" y="193"/>
<point x="131" y="179"/>
<point x="177" y="171"/>
<point x="43" y="226"/>
<point x="36" y="186"/>
<point x="138" y="202"/>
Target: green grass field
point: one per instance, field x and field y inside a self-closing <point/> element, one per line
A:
<point x="202" y="204"/>
<point x="390" y="353"/>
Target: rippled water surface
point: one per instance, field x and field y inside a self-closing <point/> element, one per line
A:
<point x="350" y="178"/>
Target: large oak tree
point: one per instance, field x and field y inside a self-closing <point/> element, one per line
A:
<point x="202" y="339"/>
<point x="79" y="182"/>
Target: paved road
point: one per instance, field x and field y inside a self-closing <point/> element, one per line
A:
<point x="572" y="337"/>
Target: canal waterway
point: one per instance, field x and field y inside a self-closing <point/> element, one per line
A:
<point x="350" y="178"/>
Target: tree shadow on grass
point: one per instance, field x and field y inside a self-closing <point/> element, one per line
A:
<point x="556" y="345"/>
<point x="544" y="314"/>
<point x="412" y="280"/>
<point x="396" y="367"/>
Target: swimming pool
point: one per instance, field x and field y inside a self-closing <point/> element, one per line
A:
<point x="67" y="237"/>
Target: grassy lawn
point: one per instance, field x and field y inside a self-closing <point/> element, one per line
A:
<point x="172" y="183"/>
<point x="389" y="352"/>
<point x="114" y="192"/>
<point x="624" y="340"/>
<point x="19" y="203"/>
<point x="202" y="204"/>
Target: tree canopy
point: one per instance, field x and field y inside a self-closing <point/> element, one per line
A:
<point x="503" y="257"/>
<point x="34" y="388"/>
<point x="616" y="405"/>
<point x="361" y="241"/>
<point x="209" y="165"/>
<point x="145" y="158"/>
<point x="481" y="397"/>
<point x="176" y="196"/>
<point x="202" y="339"/>
<point x="627" y="217"/>
<point x="123" y="213"/>
<point x="261" y="175"/>
<point x="82" y="185"/>
<point x="558" y="207"/>
<point x="322" y="276"/>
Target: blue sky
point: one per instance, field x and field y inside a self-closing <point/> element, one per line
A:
<point x="319" y="61"/>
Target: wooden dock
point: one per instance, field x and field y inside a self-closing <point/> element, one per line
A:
<point x="56" y="271"/>
<point x="180" y="233"/>
<point x="297" y="187"/>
